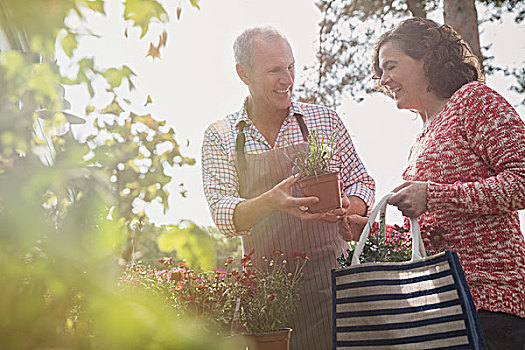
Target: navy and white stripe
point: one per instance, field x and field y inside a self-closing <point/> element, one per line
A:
<point x="424" y="304"/>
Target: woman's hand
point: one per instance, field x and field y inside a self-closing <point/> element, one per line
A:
<point x="351" y="223"/>
<point x="410" y="198"/>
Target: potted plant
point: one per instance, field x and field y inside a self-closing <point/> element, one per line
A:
<point x="210" y="296"/>
<point x="314" y="166"/>
<point x="271" y="296"/>
<point x="236" y="299"/>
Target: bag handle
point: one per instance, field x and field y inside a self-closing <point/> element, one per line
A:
<point x="418" y="247"/>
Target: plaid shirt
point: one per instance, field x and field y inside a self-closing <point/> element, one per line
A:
<point x="219" y="174"/>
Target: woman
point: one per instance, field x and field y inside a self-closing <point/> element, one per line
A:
<point x="466" y="173"/>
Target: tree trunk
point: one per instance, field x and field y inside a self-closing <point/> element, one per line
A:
<point x="463" y="17"/>
<point x="417" y="8"/>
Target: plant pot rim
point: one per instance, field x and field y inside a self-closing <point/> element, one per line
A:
<point x="284" y="329"/>
<point x="321" y="174"/>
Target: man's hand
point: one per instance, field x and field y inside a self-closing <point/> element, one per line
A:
<point x="280" y="198"/>
<point x="250" y="212"/>
<point x="410" y="198"/>
<point x="352" y="226"/>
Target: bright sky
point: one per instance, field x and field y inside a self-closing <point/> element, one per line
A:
<point x="195" y="84"/>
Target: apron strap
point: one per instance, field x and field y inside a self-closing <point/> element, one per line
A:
<point x="239" y="148"/>
<point x="302" y="126"/>
<point x="241" y="140"/>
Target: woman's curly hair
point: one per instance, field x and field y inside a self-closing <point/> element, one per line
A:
<point x="449" y="62"/>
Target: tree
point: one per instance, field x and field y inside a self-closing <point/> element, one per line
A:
<point x="350" y="27"/>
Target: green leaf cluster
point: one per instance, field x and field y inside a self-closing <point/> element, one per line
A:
<point x="65" y="209"/>
<point x="318" y="157"/>
<point x="142" y="12"/>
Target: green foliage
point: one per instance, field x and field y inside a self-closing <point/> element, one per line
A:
<point x="142" y="12"/>
<point x="66" y="207"/>
<point x="224" y="247"/>
<point x="191" y="242"/>
<point x="209" y="295"/>
<point x="69" y="43"/>
<point x="114" y="76"/>
<point x="195" y="3"/>
<point x="134" y="150"/>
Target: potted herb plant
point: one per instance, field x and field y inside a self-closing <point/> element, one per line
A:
<point x="314" y="166"/>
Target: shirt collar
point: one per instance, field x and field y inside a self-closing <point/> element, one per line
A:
<point x="242" y="115"/>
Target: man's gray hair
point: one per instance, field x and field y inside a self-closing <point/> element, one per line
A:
<point x="242" y="47"/>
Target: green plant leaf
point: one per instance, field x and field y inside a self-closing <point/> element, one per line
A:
<point x="195" y="3"/>
<point x="141" y="12"/>
<point x="69" y="43"/>
<point x="96" y="5"/>
<point x="114" y="76"/>
<point x="112" y="108"/>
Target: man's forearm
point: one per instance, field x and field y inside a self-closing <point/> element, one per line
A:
<point x="251" y="211"/>
<point x="357" y="206"/>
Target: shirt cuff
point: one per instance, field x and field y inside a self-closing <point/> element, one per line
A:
<point x="224" y="217"/>
<point x="363" y="192"/>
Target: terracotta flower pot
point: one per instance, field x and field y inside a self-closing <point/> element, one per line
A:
<point x="278" y="340"/>
<point x="326" y="188"/>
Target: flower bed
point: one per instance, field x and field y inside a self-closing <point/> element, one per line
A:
<point x="234" y="299"/>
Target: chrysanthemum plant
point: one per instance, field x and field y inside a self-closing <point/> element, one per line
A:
<point x="393" y="244"/>
<point x="273" y="292"/>
<point x="239" y="298"/>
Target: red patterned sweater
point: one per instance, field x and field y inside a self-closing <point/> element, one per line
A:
<point x="473" y="157"/>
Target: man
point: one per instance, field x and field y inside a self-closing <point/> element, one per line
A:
<point x="249" y="185"/>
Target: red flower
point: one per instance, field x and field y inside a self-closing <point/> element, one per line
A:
<point x="249" y="277"/>
<point x="188" y="298"/>
<point x="249" y="273"/>
<point x="166" y="260"/>
<point x="247" y="257"/>
<point x="278" y="252"/>
<point x="271" y="297"/>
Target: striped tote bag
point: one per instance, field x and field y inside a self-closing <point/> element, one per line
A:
<point x="424" y="303"/>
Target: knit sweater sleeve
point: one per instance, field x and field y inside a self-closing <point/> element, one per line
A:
<point x="496" y="134"/>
